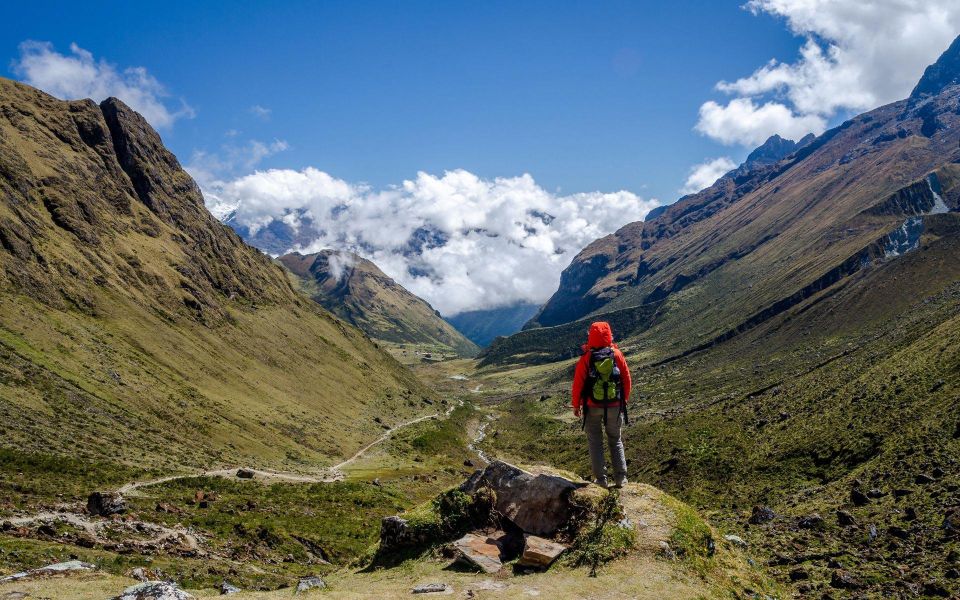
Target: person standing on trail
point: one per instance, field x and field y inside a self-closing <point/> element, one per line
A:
<point x="601" y="387"/>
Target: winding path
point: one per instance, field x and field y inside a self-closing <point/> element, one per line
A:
<point x="334" y="473"/>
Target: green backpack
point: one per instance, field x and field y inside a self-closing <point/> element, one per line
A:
<point x="603" y="378"/>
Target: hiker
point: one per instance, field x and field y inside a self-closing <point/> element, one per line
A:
<point x="601" y="387"/>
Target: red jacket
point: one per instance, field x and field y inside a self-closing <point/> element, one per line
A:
<point x="600" y="336"/>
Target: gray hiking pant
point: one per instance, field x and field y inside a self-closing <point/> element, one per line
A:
<point x="596" y="428"/>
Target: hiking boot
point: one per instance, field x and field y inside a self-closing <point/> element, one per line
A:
<point x="621" y="481"/>
<point x="602" y="483"/>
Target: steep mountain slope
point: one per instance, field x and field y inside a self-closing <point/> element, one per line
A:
<point x="482" y="326"/>
<point x="134" y="327"/>
<point x="794" y="333"/>
<point x="356" y="290"/>
<point x="763" y="237"/>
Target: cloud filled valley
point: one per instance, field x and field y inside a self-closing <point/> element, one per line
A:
<point x="457" y="240"/>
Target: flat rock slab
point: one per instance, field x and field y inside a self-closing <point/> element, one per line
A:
<point x="480" y="551"/>
<point x="540" y="553"/>
<point x="64" y="567"/>
<point x="432" y="588"/>
<point x="537" y="504"/>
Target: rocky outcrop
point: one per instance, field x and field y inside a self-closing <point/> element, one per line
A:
<point x="940" y="75"/>
<point x="535" y="503"/>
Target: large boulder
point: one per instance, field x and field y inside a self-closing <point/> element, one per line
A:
<point x="154" y="590"/>
<point x="536" y="503"/>
<point x="106" y="503"/>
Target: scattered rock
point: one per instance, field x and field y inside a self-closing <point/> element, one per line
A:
<point x="467" y="462"/>
<point x="876" y="493"/>
<point x="951" y="520"/>
<point x="952" y="574"/>
<point x="396" y="533"/>
<point x="667" y="552"/>
<point x="480" y="551"/>
<point x="812" y="521"/>
<point x="736" y="540"/>
<point x="226" y="588"/>
<point x="166" y="507"/>
<point x="538" y="552"/>
<point x="924" y="479"/>
<point x="845" y="519"/>
<point x="936" y="589"/>
<point x="901" y="492"/>
<point x="858" y="497"/>
<point x="898" y="532"/>
<point x="761" y="515"/>
<point x="799" y="574"/>
<point x="106" y="503"/>
<point x="245" y="473"/>
<point x="154" y="590"/>
<point x="431" y="588"/>
<point x="537" y="504"/>
<point x="309" y="583"/>
<point x="842" y="580"/>
<point x="139" y="574"/>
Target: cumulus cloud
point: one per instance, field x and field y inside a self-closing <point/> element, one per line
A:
<point x="703" y="175"/>
<point x="78" y="75"/>
<point x="339" y="262"/>
<point x="212" y="169"/>
<point x="856" y="56"/>
<point x="459" y="241"/>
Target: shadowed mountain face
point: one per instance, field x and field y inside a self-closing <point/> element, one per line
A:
<point x="355" y="289"/>
<point x="483" y="326"/>
<point x="131" y="319"/>
<point x="773" y="229"/>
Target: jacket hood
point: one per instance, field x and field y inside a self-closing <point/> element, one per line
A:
<point x="600" y="335"/>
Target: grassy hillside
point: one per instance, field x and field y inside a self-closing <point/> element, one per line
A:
<point x="136" y="328"/>
<point x="356" y="290"/>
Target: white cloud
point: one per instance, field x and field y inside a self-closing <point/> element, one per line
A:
<point x="741" y="121"/>
<point x="857" y="55"/>
<point x="483" y="243"/>
<point x="706" y="173"/>
<point x="78" y="75"/>
<point x="261" y="112"/>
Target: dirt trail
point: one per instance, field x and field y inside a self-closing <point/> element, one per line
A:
<point x="334" y="473"/>
<point x="149" y="533"/>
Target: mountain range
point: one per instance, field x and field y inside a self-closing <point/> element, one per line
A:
<point x="356" y="290"/>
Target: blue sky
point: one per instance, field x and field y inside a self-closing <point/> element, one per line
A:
<point x="583" y="96"/>
<point x="510" y="134"/>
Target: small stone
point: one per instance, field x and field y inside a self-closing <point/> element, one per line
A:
<point x="309" y="583"/>
<point x="468" y="463"/>
<point x="858" y="497"/>
<point x="876" y="493"/>
<point x="761" y="515"/>
<point x="736" y="540"/>
<point x="924" y="479"/>
<point x="430" y="588"/>
<point x="227" y="588"/>
<point x="936" y="589"/>
<point x="901" y="492"/>
<point x="245" y="473"/>
<point x="812" y="521"/>
<point x="139" y="574"/>
<point x="667" y="552"/>
<point x="843" y="580"/>
<point x="799" y="574"/>
<point x="540" y="553"/>
<point x="898" y="532"/>
<point x="845" y="519"/>
<point x="952" y="574"/>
